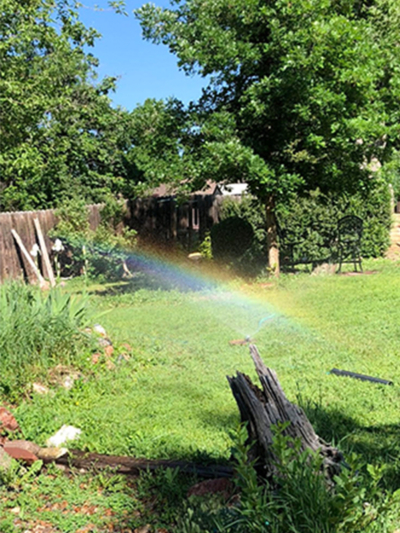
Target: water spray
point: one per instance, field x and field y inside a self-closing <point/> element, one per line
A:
<point x="250" y="338"/>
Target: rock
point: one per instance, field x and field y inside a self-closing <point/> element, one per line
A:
<point x="23" y="445"/>
<point x="109" y="350"/>
<point x="7" y="421"/>
<point x="5" y="460"/>
<point x="104" y="342"/>
<point x="68" y="382"/>
<point x="51" y="454"/>
<point x="64" y="434"/>
<point x="96" y="358"/>
<point x="100" y="330"/>
<point x="40" y="389"/>
<point x="221" y="486"/>
<point x="196" y="256"/>
<point x="19" y="452"/>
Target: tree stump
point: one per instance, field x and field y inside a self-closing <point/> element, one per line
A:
<point x="262" y="409"/>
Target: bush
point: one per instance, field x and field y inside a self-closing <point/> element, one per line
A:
<point x="311" y="221"/>
<point x="244" y="218"/>
<point x="94" y="253"/>
<point x="36" y="331"/>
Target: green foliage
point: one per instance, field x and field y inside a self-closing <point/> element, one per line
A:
<point x="100" y="252"/>
<point x="231" y="238"/>
<point x="310" y="222"/>
<point x="59" y="134"/>
<point x="298" y="498"/>
<point x="252" y="259"/>
<point x="205" y="247"/>
<point x="36" y="331"/>
<point x="289" y="105"/>
<point x="68" y="503"/>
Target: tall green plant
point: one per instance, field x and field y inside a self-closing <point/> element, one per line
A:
<point x="36" y="331"/>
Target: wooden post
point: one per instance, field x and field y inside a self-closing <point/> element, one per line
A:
<point x="39" y="276"/>
<point x="272" y="236"/>
<point x="45" y="255"/>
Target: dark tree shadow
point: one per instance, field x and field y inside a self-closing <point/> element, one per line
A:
<point x="376" y="445"/>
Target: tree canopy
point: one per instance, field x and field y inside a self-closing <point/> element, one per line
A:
<point x="309" y="88"/>
<point x="58" y="131"/>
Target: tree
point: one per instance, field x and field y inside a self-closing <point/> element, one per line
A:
<point x="59" y="134"/>
<point x="308" y="88"/>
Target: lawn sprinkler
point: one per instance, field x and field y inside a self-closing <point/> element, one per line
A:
<point x="241" y="342"/>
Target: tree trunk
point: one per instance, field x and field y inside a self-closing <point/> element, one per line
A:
<point x="264" y="409"/>
<point x="272" y="236"/>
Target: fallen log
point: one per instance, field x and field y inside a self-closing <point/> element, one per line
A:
<point x="133" y="466"/>
<point x="264" y="409"/>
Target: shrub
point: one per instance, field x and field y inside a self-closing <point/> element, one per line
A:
<point x="95" y="253"/>
<point x="36" y="331"/>
<point x="248" y="251"/>
<point x="310" y="221"/>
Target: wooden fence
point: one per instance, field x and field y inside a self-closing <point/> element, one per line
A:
<point x="12" y="263"/>
<point x="161" y="220"/>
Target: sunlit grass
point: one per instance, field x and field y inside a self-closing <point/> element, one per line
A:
<point x="172" y="398"/>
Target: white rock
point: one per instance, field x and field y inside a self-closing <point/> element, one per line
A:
<point x="100" y="330"/>
<point x="39" y="388"/>
<point x="63" y="435"/>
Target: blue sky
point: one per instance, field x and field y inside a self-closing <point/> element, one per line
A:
<point x="145" y="70"/>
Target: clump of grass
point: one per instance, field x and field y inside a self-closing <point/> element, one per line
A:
<point x="36" y="331"/>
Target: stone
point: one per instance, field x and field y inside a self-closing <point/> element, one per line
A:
<point x="40" y="389"/>
<point x="20" y="453"/>
<point x="109" y="350"/>
<point x="68" y="382"/>
<point x="51" y="454"/>
<point x="22" y="444"/>
<point x="64" y="434"/>
<point x="100" y="330"/>
<point x="7" y="420"/>
<point x="195" y="256"/>
<point x="221" y="486"/>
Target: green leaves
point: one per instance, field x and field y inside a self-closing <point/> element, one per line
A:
<point x="58" y="131"/>
<point x="301" y="82"/>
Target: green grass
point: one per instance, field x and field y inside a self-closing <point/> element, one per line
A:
<point x="172" y="399"/>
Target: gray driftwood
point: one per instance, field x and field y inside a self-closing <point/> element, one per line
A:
<point x="264" y="408"/>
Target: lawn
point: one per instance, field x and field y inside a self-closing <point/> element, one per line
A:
<point x="171" y="399"/>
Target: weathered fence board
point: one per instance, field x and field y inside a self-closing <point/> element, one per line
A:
<point x="12" y="263"/>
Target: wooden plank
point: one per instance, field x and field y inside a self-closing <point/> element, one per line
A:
<point x="45" y="255"/>
<point x="133" y="466"/>
<point x="28" y="257"/>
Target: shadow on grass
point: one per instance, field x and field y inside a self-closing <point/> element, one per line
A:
<point x="156" y="282"/>
<point x="379" y="445"/>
